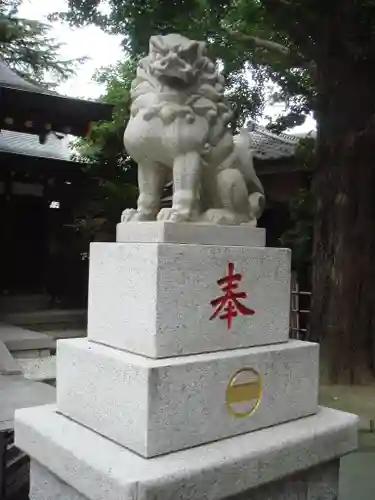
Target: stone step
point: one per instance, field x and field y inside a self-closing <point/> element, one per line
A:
<point x="23" y="303"/>
<point x="74" y="318"/>
<point x="8" y="365"/>
<point x="18" y="392"/>
<point x="80" y="464"/>
<point x="41" y="368"/>
<point x="28" y="342"/>
<point x="67" y="333"/>
<point x="157" y="406"/>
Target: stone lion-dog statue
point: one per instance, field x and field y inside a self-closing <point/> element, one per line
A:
<point x="179" y="130"/>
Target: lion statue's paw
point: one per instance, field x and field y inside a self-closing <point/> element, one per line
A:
<point x="132" y="215"/>
<point x="251" y="223"/>
<point x="172" y="215"/>
<point x="128" y="215"/>
<point x="257" y="202"/>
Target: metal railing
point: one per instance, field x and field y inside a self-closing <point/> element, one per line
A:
<point x="299" y="311"/>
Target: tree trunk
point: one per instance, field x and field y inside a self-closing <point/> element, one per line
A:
<point x="343" y="305"/>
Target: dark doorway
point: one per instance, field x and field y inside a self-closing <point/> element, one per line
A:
<point x="26" y="243"/>
<point x="276" y="220"/>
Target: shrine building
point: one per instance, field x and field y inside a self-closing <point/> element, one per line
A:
<point x="39" y="184"/>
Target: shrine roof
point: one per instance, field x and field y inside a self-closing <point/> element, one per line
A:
<point x="10" y="79"/>
<point x="270" y="146"/>
<point x="29" y="108"/>
<point x="28" y="144"/>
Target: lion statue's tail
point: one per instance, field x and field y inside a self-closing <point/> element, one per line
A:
<point x="244" y="149"/>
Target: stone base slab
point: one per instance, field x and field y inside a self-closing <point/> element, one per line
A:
<point x="317" y="483"/>
<point x="99" y="469"/>
<point x="158" y="299"/>
<point x="156" y="406"/>
<point x="195" y="234"/>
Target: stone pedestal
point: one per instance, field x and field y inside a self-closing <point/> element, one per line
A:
<point x="317" y="483"/>
<point x="78" y="463"/>
<point x="155" y="299"/>
<point x="157" y="406"/>
<point x="187" y="386"/>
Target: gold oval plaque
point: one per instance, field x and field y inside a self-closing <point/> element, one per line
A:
<point x="244" y="393"/>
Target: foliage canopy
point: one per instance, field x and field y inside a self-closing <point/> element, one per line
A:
<point x="27" y="47"/>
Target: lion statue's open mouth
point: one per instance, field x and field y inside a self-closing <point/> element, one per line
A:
<point x="179" y="128"/>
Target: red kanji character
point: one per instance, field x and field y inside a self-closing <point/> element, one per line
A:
<point x="229" y="303"/>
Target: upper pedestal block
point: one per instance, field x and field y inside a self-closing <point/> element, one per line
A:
<point x="188" y="233"/>
<point x="162" y="300"/>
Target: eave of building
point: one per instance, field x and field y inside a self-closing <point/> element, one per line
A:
<point x="55" y="147"/>
<point x="35" y="168"/>
<point x="26" y="107"/>
<point x="23" y="153"/>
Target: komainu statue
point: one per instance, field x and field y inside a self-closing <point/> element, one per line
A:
<point x="179" y="130"/>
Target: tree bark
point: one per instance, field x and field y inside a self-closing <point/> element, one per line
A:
<point x="343" y="298"/>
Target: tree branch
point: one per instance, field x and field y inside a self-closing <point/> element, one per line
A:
<point x="273" y="46"/>
<point x="258" y="42"/>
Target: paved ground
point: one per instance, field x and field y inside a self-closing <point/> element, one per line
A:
<point x="353" y="399"/>
<point x="357" y="475"/>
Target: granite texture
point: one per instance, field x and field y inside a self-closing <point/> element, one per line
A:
<point x="100" y="469"/>
<point x="195" y="234"/>
<point x="317" y="483"/>
<point x="41" y="368"/>
<point x="46" y="486"/>
<point x="157" y="406"/>
<point x="155" y="299"/>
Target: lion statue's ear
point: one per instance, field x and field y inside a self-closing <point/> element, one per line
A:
<point x="156" y="43"/>
<point x="195" y="51"/>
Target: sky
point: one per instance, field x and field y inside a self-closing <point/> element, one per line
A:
<point x="100" y="48"/>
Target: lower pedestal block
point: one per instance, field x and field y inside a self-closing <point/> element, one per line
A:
<point x="297" y="460"/>
<point x="317" y="483"/>
<point x="156" y="406"/>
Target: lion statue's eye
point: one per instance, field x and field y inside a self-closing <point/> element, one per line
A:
<point x="188" y="55"/>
